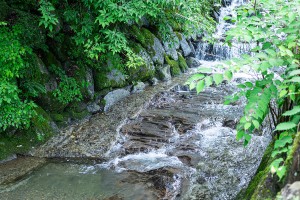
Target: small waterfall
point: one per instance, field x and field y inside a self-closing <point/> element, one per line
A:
<point x="219" y="50"/>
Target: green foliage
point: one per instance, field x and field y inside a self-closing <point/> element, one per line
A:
<point x="99" y="24"/>
<point x="274" y="26"/>
<point x="49" y="20"/>
<point x="15" y="111"/>
<point x="68" y="89"/>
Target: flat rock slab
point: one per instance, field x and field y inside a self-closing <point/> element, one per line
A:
<point x="94" y="137"/>
<point x="17" y="168"/>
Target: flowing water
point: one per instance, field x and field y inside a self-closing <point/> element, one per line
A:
<point x="180" y="146"/>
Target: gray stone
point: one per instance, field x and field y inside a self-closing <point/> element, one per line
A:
<point x="90" y="80"/>
<point x="193" y="62"/>
<point x="193" y="53"/>
<point x="171" y="50"/>
<point x="154" y="81"/>
<point x="159" y="52"/>
<point x="185" y="46"/>
<point x="164" y="72"/>
<point x="113" y="97"/>
<point x="172" y="46"/>
<point x="138" y="87"/>
<point x="291" y="191"/>
<point x="93" y="108"/>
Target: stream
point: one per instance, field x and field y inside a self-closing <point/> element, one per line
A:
<point x="180" y="145"/>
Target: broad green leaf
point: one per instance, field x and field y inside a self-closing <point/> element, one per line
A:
<point x="285" y="126"/>
<point x="228" y="75"/>
<point x="192" y="85"/>
<point x="200" y="86"/>
<point x="256" y="124"/>
<point x="281" y="172"/>
<point x="247" y="125"/>
<point x="294" y="72"/>
<point x="240" y="135"/>
<point x="295" y="79"/>
<point x="277" y="152"/>
<point x="294" y="111"/>
<point x="249" y="84"/>
<point x="283" y="141"/>
<point x="208" y="81"/>
<point x="218" y="78"/>
<point x="282" y="93"/>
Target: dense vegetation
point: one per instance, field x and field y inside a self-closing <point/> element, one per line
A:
<point x="274" y="95"/>
<point x="48" y="46"/>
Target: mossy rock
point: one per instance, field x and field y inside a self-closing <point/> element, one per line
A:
<point x="142" y="35"/>
<point x="42" y="128"/>
<point x="175" y="25"/>
<point x="174" y="66"/>
<point x="182" y="63"/>
<point x="78" y="115"/>
<point x="263" y="185"/>
<point x="145" y="71"/>
<point x="150" y="43"/>
<point x="57" y="117"/>
<point x="108" y="79"/>
<point x="50" y="103"/>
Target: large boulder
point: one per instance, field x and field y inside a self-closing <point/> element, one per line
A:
<point x="138" y="87"/>
<point x="291" y="191"/>
<point x="113" y="97"/>
<point x="151" y="43"/>
<point x="172" y="45"/>
<point x="174" y="66"/>
<point x="164" y="73"/>
<point x="182" y="63"/>
<point x="184" y="45"/>
<point x="107" y="74"/>
<point x="145" y="71"/>
<point x="193" y="62"/>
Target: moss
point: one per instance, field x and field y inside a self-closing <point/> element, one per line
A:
<point x="50" y="59"/>
<point x="263" y="185"/>
<point x="143" y="72"/>
<point x="78" y="115"/>
<point x="182" y="63"/>
<point x="174" y="66"/>
<point x="57" y="117"/>
<point x="22" y="141"/>
<point x="142" y="35"/>
<point x="175" y="25"/>
<point x="145" y="38"/>
<point x="179" y="35"/>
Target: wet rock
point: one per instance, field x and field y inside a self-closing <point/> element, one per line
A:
<point x="171" y="50"/>
<point x="184" y="45"/>
<point x="108" y="79"/>
<point x="291" y="191"/>
<point x="145" y="71"/>
<point x="138" y="87"/>
<point x="113" y="97"/>
<point x="172" y="46"/>
<point x="151" y="43"/>
<point x="193" y="53"/>
<point x="93" y="108"/>
<point x="90" y="81"/>
<point x="193" y="62"/>
<point x="17" y="168"/>
<point x="154" y="81"/>
<point x="164" y="73"/>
